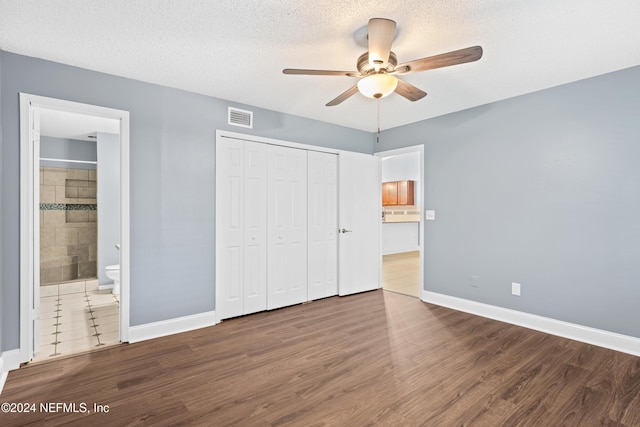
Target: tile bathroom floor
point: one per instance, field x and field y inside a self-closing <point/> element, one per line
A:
<point x="76" y="317"/>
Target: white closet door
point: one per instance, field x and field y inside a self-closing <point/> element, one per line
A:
<point x="255" y="227"/>
<point x="323" y="225"/>
<point x="287" y="226"/>
<point x="229" y="228"/>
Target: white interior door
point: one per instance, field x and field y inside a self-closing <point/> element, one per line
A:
<point x="287" y="226"/>
<point x="323" y="225"/>
<point x="360" y="210"/>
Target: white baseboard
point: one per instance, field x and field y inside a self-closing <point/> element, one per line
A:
<point x="9" y="360"/>
<point x="606" y="339"/>
<point x="172" y="326"/>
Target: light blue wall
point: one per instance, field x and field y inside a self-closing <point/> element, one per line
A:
<point x="172" y="179"/>
<point x="68" y="149"/>
<point x="544" y="190"/>
<point x="2" y="286"/>
<point x="108" y="145"/>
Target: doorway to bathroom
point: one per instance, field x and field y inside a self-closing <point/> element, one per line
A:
<point x="74" y="239"/>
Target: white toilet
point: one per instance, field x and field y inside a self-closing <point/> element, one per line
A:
<point x="113" y="273"/>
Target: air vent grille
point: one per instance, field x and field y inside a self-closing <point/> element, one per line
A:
<point x="241" y="118"/>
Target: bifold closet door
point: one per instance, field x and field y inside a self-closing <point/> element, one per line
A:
<point x="287" y="226"/>
<point x="255" y="227"/>
<point x="323" y="225"/>
<point x="241" y="249"/>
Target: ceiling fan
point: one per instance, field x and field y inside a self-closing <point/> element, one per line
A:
<point x="378" y="68"/>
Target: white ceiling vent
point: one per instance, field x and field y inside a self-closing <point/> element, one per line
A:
<point x="238" y="117"/>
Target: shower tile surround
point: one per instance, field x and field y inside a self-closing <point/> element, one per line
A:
<point x="68" y="224"/>
<point x="76" y="317"/>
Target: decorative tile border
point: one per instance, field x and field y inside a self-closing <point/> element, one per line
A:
<point x="67" y="207"/>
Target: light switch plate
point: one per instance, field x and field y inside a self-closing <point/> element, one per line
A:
<point x="430" y="215"/>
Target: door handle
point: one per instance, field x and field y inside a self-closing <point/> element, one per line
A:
<point x="344" y="230"/>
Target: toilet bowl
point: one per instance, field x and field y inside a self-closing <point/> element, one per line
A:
<point x="113" y="273"/>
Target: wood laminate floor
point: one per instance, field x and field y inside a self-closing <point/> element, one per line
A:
<point x="378" y="358"/>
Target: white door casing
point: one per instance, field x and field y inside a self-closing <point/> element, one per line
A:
<point x="360" y="208"/>
<point x="287" y="226"/>
<point x="30" y="105"/>
<point x="323" y="225"/>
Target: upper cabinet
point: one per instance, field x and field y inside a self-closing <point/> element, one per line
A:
<point x="389" y="193"/>
<point x="398" y="193"/>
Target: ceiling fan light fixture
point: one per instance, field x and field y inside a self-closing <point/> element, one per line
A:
<point x="377" y="85"/>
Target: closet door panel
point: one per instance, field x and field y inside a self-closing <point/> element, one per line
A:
<point x="322" y="225"/>
<point x="298" y="230"/>
<point x="255" y="225"/>
<point x="287" y="226"/>
<point x="230" y="228"/>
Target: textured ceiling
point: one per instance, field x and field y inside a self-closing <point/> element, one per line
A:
<point x="236" y="49"/>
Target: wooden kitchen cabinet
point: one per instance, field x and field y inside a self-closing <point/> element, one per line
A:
<point x="398" y="193"/>
<point x="389" y="193"/>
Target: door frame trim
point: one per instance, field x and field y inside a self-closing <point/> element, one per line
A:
<point x="29" y="198"/>
<point x="395" y="152"/>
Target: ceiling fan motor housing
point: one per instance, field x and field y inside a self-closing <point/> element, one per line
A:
<point x="366" y="69"/>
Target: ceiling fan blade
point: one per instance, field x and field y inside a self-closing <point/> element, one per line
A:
<point x="409" y="91"/>
<point x="320" y="72"/>
<point x="344" y="95"/>
<point x="381" y="34"/>
<point x="455" y="57"/>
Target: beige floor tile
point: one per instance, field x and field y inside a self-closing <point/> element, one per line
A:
<point x="47" y="339"/>
<point x="48" y="291"/>
<point x="112" y="318"/>
<point x="44" y="353"/>
<point x="47" y="326"/>
<point x="401" y="273"/>
<point x="77" y="332"/>
<point x="76" y="346"/>
<point x="71" y="288"/>
<point x="48" y="312"/>
<point x="100" y="295"/>
<point x="49" y="302"/>
<point x="105" y="312"/>
<point x="78" y="298"/>
<point x="67" y="324"/>
<point x="103" y="327"/>
<point x="109" y="338"/>
<point x="91" y="285"/>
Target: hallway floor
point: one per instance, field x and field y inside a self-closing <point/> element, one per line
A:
<point x="76" y="317"/>
<point x="401" y="273"/>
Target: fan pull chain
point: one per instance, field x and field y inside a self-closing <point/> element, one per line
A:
<point x="378" y="118"/>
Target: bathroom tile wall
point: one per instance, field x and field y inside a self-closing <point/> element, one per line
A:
<point x="68" y="224"/>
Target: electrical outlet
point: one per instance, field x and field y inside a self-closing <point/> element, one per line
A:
<point x="430" y="215"/>
<point x="475" y="281"/>
<point x="515" y="289"/>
